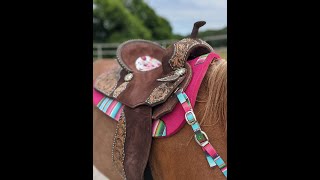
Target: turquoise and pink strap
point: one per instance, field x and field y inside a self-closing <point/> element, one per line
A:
<point x="201" y="137"/>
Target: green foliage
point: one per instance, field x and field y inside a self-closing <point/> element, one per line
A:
<point x="115" y="23"/>
<point x="202" y="34"/>
<point x="177" y="36"/>
<point x="159" y="27"/>
<point x="216" y="43"/>
<point x="213" y="32"/>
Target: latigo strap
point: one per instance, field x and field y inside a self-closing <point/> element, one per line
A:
<point x="138" y="141"/>
<point x="200" y="136"/>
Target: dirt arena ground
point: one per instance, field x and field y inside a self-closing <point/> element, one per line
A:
<point x="97" y="175"/>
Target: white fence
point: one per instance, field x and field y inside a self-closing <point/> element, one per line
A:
<point x="100" y="50"/>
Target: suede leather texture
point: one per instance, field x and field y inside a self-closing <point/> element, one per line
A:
<point x="138" y="141"/>
<point x="141" y="86"/>
<point x="129" y="51"/>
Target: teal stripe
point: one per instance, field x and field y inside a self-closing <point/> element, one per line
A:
<point x="190" y="116"/>
<point x="225" y="173"/>
<point x="164" y="131"/>
<point x="101" y="100"/>
<point x="210" y="160"/>
<point x="181" y="98"/>
<point x="196" y="127"/>
<point x="106" y="107"/>
<point x="103" y="103"/>
<point x="115" y="110"/>
<point x="187" y="99"/>
<point x="219" y="162"/>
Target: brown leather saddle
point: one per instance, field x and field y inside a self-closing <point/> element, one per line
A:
<point x="146" y="93"/>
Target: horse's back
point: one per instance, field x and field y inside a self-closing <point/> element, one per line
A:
<point x="103" y="129"/>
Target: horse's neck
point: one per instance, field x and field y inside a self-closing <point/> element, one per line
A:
<point x="212" y="96"/>
<point x="168" y="156"/>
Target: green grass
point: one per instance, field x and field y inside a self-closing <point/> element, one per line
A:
<point x="222" y="52"/>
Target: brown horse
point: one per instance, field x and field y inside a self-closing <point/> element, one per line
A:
<point x="179" y="156"/>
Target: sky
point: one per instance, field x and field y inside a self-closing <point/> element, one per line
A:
<point x="183" y="13"/>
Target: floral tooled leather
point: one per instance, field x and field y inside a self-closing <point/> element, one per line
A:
<point x="120" y="89"/>
<point x="181" y="48"/>
<point x="107" y="82"/>
<point x="118" y="146"/>
<point x="163" y="91"/>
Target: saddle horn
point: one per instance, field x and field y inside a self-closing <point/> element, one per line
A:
<point x="196" y="27"/>
<point x="180" y="52"/>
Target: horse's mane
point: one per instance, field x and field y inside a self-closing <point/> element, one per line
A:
<point x="214" y="95"/>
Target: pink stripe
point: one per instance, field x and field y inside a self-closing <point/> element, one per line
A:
<point x="97" y="96"/>
<point x="186" y="106"/>
<point x="154" y="127"/>
<point x="210" y="150"/>
<point x="119" y="113"/>
<point x="224" y="169"/>
<point x="110" y="108"/>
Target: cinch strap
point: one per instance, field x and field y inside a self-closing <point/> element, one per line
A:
<point x="201" y="137"/>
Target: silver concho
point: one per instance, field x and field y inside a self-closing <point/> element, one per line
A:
<point x="177" y="73"/>
<point x="128" y="77"/>
<point x="180" y="71"/>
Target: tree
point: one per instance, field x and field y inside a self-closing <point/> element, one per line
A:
<point x="114" y="23"/>
<point x="158" y="26"/>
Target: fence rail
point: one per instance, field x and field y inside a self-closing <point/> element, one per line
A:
<point x="100" y="50"/>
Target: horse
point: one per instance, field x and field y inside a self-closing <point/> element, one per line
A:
<point x="178" y="156"/>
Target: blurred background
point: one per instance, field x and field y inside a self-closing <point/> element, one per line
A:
<point x="162" y="21"/>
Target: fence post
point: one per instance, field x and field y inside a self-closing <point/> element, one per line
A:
<point x="99" y="51"/>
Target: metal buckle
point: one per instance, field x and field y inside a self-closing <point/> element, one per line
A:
<point x="203" y="143"/>
<point x="178" y="89"/>
<point x="192" y="122"/>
